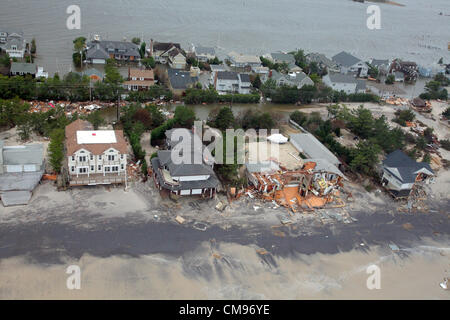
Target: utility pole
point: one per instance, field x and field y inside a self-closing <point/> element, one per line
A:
<point x="118" y="104"/>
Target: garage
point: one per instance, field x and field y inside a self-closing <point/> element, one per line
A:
<point x="29" y="168"/>
<point x="185" y="192"/>
<point x="197" y="191"/>
<point x="13" y="168"/>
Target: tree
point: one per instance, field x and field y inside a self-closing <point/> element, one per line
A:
<point x="362" y="122"/>
<point x="149" y="62"/>
<point x="441" y="61"/>
<point x="390" y="79"/>
<point x="300" y="58"/>
<point x="79" y="54"/>
<point x="285" y="94"/>
<point x="364" y="156"/>
<point x="224" y="119"/>
<point x="33" y="46"/>
<point x="446" y="113"/>
<point x="136" y="41"/>
<point x="269" y="87"/>
<point x="56" y="149"/>
<point x="96" y="119"/>
<point x="142" y="50"/>
<point x="299" y="117"/>
<point x="143" y="116"/>
<point x="257" y="82"/>
<point x="184" y="117"/>
<point x="307" y="93"/>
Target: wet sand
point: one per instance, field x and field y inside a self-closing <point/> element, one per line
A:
<point x="231" y="271"/>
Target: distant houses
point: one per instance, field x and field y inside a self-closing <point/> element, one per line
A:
<point x="344" y="82"/>
<point x="244" y="61"/>
<point x="203" y="54"/>
<point x="323" y="63"/>
<point x="98" y="52"/>
<point x="409" y="69"/>
<point x="168" y="53"/>
<point x="232" y="82"/>
<point x="297" y="79"/>
<point x="179" y="81"/>
<point x="23" y="69"/>
<point x="285" y="58"/>
<point x="348" y="63"/>
<point x="13" y="43"/>
<point x="139" y="79"/>
<point x="382" y="65"/>
<point x="95" y="156"/>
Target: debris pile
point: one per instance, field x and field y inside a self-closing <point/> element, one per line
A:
<point x="299" y="190"/>
<point x="70" y="108"/>
<point x="397" y="101"/>
<point x="421" y="105"/>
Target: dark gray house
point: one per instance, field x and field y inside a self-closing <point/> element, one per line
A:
<point x="193" y="175"/>
<point x="97" y="52"/>
<point x="400" y="173"/>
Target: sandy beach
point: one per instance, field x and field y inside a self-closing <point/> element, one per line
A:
<point x="231" y="271"/>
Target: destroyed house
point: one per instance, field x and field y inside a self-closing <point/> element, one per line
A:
<point x="315" y="185"/>
<point x="400" y="173"/>
<point x="186" y="167"/>
<point x="95" y="156"/>
<point x="21" y="169"/>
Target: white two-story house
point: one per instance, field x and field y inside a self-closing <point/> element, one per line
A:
<point x="232" y="82"/>
<point x="95" y="156"/>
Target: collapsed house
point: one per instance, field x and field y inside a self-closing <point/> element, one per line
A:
<point x="21" y="169"/>
<point x="421" y="105"/>
<point x="186" y="167"/>
<point x="317" y="184"/>
<point x="400" y="174"/>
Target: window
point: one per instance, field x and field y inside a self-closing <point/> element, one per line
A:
<point x="121" y="166"/>
<point x="100" y="157"/>
<point x="92" y="168"/>
<point x="111" y="157"/>
<point x="73" y="158"/>
<point x="82" y="159"/>
<point x="73" y="169"/>
<point x="107" y="169"/>
<point x="92" y="157"/>
<point x="82" y="170"/>
<point x="121" y="156"/>
<point x="99" y="168"/>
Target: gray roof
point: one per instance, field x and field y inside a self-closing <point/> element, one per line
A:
<point x="97" y="50"/>
<point x="378" y="63"/>
<point x="262" y="167"/>
<point x="299" y="77"/>
<point x="205" y="50"/>
<point x="15" y="198"/>
<point x="345" y="59"/>
<point x="406" y="168"/>
<point x="18" y="42"/>
<point x="212" y="182"/>
<point x="320" y="59"/>
<point x="23" y="155"/>
<point x="180" y="79"/>
<point x="17" y="67"/>
<point x="283" y="57"/>
<point x="227" y="75"/>
<point x="244" y="77"/>
<point x="219" y="67"/>
<point x="23" y="181"/>
<point x="342" y="78"/>
<point x="311" y="147"/>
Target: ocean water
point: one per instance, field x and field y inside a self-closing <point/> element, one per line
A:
<point x="415" y="31"/>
